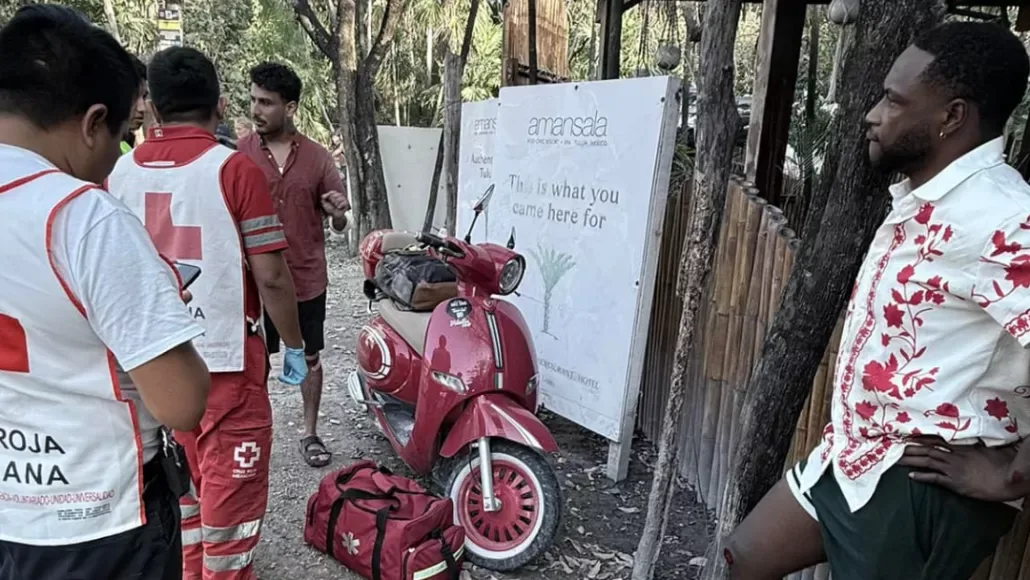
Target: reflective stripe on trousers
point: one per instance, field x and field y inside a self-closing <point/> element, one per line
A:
<point x="228" y="456"/>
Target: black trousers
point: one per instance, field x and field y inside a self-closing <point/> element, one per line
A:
<point x="152" y="552"/>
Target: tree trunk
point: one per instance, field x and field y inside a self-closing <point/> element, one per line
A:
<point x="355" y="97"/>
<point x="531" y="14"/>
<point x="840" y="225"/>
<point x="687" y="56"/>
<point x="434" y="184"/>
<point x="451" y="135"/>
<point x="374" y="184"/>
<point x="716" y="125"/>
<point x="808" y="135"/>
<point x="112" y="20"/>
<point x="346" y="64"/>
<point x="396" y="88"/>
<point x="592" y="50"/>
<point x="844" y="39"/>
<point x="429" y="53"/>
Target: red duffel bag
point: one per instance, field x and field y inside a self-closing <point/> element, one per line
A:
<point x="383" y="526"/>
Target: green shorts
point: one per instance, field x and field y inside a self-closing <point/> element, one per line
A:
<point x="907" y="531"/>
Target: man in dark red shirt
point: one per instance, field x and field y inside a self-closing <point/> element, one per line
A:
<point x="305" y="186"/>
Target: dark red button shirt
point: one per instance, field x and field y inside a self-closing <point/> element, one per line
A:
<point x="297" y="192"/>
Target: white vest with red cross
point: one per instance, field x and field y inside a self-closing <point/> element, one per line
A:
<point x="187" y="215"/>
<point x="70" y="452"/>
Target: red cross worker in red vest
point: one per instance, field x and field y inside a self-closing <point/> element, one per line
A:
<point x="207" y="205"/>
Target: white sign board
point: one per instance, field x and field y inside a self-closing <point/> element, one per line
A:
<point x="581" y="173"/>
<point x="475" y="162"/>
<point x="409" y="155"/>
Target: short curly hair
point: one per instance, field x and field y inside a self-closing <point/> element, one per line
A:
<point x="277" y="78"/>
<point x="982" y="62"/>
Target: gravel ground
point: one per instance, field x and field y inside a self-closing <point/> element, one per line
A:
<point x="602" y="522"/>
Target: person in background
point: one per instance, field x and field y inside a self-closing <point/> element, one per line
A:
<point x="212" y="209"/>
<point x="224" y="136"/>
<point x="89" y="487"/>
<point x="305" y="186"/>
<point x="139" y="110"/>
<point x="243" y="127"/>
<point x="928" y="395"/>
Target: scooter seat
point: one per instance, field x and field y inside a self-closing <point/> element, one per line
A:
<point x="410" y="325"/>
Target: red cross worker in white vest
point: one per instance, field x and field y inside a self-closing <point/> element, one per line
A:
<point x="87" y="484"/>
<point x="209" y="206"/>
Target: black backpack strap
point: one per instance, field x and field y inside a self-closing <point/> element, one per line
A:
<point x="377" y="551"/>
<point x="448" y="556"/>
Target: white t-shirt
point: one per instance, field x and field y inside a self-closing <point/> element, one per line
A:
<point x="130" y="294"/>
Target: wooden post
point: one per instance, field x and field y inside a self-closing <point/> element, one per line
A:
<point x="532" y="42"/>
<point x="779" y="47"/>
<point x="843" y="218"/>
<point x="451" y="134"/>
<point x="717" y="128"/>
<point x="611" y="38"/>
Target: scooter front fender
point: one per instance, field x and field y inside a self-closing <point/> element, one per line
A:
<point x="496" y="415"/>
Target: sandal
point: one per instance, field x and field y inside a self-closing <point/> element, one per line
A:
<point x="315" y="452"/>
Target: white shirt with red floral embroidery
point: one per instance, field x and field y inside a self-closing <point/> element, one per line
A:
<point x="934" y="336"/>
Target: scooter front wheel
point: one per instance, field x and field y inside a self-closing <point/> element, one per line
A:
<point x="529" y="516"/>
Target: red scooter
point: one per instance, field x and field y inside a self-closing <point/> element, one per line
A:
<point x="455" y="392"/>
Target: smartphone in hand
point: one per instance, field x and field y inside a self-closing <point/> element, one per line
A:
<point x="188" y="273"/>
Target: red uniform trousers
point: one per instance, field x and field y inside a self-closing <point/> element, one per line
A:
<point x="228" y="456"/>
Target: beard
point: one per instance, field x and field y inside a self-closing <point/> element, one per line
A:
<point x="909" y="150"/>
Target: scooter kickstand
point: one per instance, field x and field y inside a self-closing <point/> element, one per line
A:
<point x="486" y="474"/>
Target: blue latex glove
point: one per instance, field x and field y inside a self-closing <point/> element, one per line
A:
<point x="295" y="366"/>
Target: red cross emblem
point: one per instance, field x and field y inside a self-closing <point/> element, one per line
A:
<point x="14" y="349"/>
<point x="174" y="242"/>
<point x="247" y="454"/>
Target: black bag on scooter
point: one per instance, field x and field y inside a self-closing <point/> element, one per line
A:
<point x="416" y="281"/>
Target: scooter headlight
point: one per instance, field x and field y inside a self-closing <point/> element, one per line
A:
<point x="511" y="275"/>
<point x="450" y="382"/>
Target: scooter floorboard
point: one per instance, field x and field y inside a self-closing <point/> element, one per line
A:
<point x="399" y="415"/>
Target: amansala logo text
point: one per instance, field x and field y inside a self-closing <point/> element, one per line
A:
<point x="595" y="127"/>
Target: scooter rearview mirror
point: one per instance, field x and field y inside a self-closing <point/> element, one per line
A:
<point x="484" y="200"/>
<point x="511" y="239"/>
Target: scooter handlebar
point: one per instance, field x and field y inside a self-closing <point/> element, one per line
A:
<point x="436" y="242"/>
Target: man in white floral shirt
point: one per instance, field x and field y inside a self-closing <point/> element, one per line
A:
<point x="930" y="394"/>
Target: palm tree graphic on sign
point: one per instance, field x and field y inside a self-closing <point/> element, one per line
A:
<point x="553" y="267"/>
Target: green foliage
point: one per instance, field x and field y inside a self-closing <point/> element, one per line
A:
<point x="274" y="35"/>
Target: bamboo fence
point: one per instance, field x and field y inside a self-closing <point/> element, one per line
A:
<point x="552" y="39"/>
<point x="755" y="255"/>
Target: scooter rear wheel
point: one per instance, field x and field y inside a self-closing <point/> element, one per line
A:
<point x="528" y="521"/>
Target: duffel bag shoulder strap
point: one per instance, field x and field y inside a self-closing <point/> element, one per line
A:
<point x="362" y="494"/>
<point x="330" y="533"/>
<point x="344" y="478"/>
<point x="454" y="571"/>
<point x="382" y="517"/>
